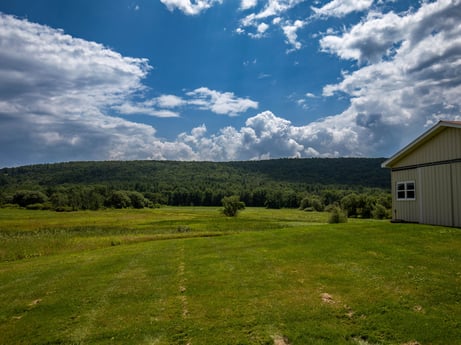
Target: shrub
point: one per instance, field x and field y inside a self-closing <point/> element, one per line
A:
<point x="35" y="207"/>
<point x="312" y="203"/>
<point x="232" y="205"/>
<point x="380" y="212"/>
<point x="337" y="215"/>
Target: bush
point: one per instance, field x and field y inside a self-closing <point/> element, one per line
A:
<point x="380" y="212"/>
<point x="337" y="215"/>
<point x="36" y="207"/>
<point x="312" y="203"/>
<point x="232" y="205"/>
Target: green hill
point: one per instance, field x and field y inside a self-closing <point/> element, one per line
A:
<point x="203" y="183"/>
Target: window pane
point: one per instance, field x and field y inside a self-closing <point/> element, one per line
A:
<point x="410" y="186"/>
<point x="410" y="194"/>
<point x="401" y="195"/>
<point x="400" y="186"/>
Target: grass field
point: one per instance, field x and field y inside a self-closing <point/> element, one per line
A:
<point x="193" y="276"/>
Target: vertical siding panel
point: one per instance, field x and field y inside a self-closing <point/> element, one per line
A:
<point x="456" y="178"/>
<point x="436" y="204"/>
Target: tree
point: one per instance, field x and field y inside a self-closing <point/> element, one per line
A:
<point x="119" y="199"/>
<point x="28" y="197"/>
<point x="232" y="205"/>
<point x="312" y="203"/>
<point x="137" y="199"/>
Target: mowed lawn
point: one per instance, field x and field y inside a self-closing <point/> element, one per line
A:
<point x="193" y="276"/>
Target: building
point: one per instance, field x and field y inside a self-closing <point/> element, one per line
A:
<point x="426" y="177"/>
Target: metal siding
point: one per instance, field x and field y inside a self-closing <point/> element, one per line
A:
<point x="406" y="210"/>
<point x="446" y="145"/>
<point x="436" y="206"/>
<point x="456" y="180"/>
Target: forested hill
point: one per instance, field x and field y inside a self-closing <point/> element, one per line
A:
<point x="167" y="175"/>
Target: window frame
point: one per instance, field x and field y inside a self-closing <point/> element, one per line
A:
<point x="405" y="190"/>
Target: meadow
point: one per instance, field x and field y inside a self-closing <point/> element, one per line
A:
<point x="190" y="275"/>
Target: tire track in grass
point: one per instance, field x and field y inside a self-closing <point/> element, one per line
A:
<point x="80" y="335"/>
<point x="182" y="289"/>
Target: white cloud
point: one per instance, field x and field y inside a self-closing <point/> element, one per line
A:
<point x="169" y="101"/>
<point x="411" y="78"/>
<point x="290" y="31"/>
<point x="54" y="92"/>
<point x="247" y="4"/>
<point x="262" y="28"/>
<point x="144" y="108"/>
<point x="369" y="40"/>
<point x="220" y="103"/>
<point x="340" y="8"/>
<point x="189" y="7"/>
<point x="268" y="136"/>
<point x="273" y="8"/>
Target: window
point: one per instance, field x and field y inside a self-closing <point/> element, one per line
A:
<point x="406" y="190"/>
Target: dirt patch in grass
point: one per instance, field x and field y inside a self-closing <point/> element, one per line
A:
<point x="279" y="340"/>
<point x="327" y="298"/>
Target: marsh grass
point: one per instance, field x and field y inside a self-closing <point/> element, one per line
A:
<point x="270" y="276"/>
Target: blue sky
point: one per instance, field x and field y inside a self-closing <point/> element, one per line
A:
<point x="223" y="79"/>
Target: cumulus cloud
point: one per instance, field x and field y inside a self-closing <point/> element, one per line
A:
<point x="411" y="73"/>
<point x="189" y="7"/>
<point x="58" y="96"/>
<point x="340" y="8"/>
<point x="408" y="78"/>
<point x="224" y="103"/>
<point x="54" y="93"/>
<point x="255" y="23"/>
<point x="267" y="136"/>
<point x="290" y="30"/>
<point x="247" y="4"/>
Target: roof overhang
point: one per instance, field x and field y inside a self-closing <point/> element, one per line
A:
<point x="426" y="136"/>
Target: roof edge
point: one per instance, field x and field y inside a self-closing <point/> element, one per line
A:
<point x="419" y="141"/>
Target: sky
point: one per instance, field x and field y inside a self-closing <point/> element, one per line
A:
<point x="223" y="80"/>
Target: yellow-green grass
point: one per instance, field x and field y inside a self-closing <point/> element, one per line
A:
<point x="25" y="233"/>
<point x="276" y="277"/>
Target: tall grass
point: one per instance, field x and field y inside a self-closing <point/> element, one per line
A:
<point x="26" y="233"/>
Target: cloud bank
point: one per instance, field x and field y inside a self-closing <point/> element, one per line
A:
<point x="61" y="97"/>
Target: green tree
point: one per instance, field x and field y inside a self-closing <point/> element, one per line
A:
<point x="59" y="201"/>
<point x="312" y="203"/>
<point x="232" y="205"/>
<point x="119" y="199"/>
<point x="28" y="197"/>
<point x="137" y="200"/>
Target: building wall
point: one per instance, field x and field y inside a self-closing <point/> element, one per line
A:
<point x="437" y="195"/>
<point x="407" y="210"/>
<point x="456" y="181"/>
<point x="444" y="146"/>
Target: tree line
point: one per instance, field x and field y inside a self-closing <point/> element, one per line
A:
<point x="359" y="185"/>
<point x="370" y="203"/>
